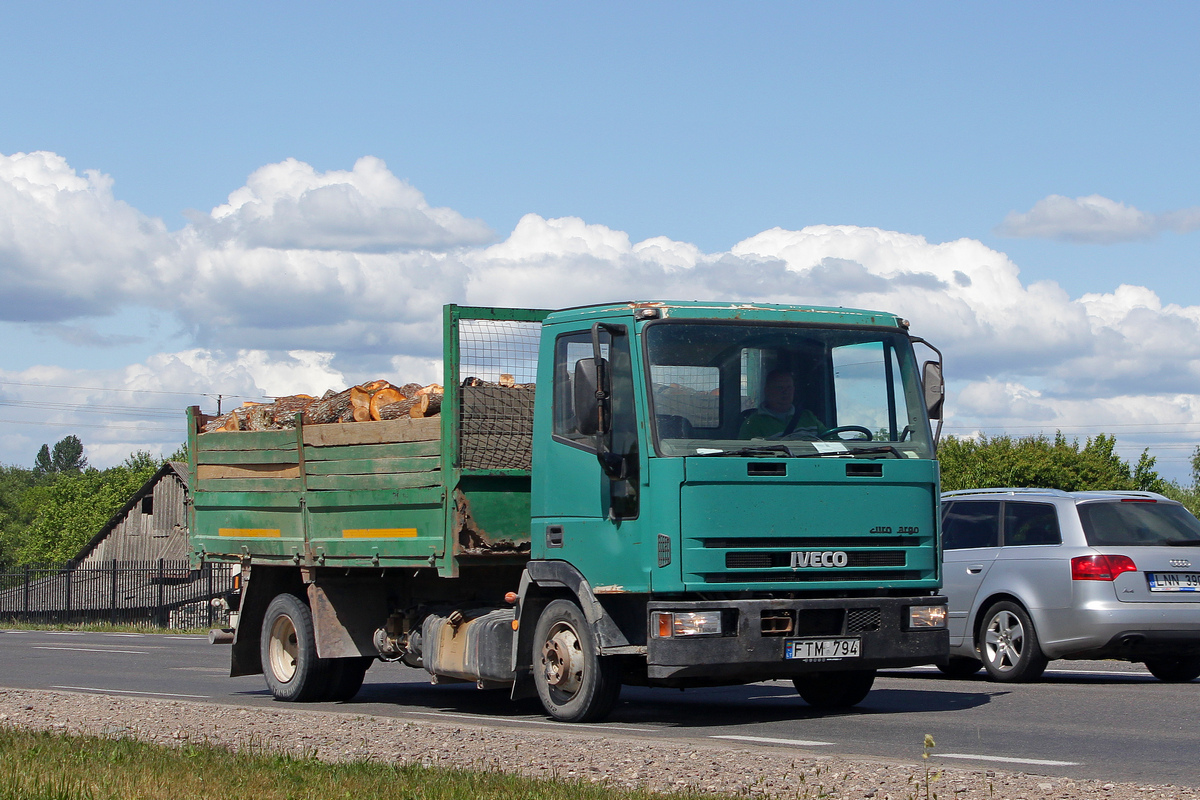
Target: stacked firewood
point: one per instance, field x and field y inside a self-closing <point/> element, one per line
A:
<point x="377" y="400"/>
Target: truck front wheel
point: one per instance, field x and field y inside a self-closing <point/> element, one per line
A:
<point x="574" y="683"/>
<point x="289" y="652"/>
<point x="832" y="690"/>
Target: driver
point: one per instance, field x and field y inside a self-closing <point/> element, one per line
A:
<point x="776" y="413"/>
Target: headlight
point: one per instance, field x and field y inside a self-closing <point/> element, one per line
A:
<point x="927" y="616"/>
<point x="669" y="624"/>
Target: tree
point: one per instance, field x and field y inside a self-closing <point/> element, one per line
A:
<point x="1038" y="461"/>
<point x="67" y="457"/>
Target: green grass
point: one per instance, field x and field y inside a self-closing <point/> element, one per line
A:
<point x="49" y="766"/>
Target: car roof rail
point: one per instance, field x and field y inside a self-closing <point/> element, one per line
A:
<point x="1012" y="490"/>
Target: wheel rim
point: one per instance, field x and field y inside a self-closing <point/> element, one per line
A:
<point x="562" y="659"/>
<point x="285" y="646"/>
<point x="1004" y="641"/>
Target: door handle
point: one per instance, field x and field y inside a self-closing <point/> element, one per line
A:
<point x="975" y="569"/>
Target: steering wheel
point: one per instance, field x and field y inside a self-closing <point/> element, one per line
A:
<point x="833" y="432"/>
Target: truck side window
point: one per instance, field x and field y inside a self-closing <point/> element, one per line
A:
<point x="1030" y="523"/>
<point x="569" y="348"/>
<point x="967" y="525"/>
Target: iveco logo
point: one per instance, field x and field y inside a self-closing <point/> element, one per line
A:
<point x="818" y="558"/>
<point x="1175" y="562"/>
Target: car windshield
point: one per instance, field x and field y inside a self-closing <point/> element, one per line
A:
<point x="784" y="390"/>
<point x="1138" y="523"/>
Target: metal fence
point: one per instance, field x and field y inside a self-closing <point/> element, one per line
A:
<point x="163" y="593"/>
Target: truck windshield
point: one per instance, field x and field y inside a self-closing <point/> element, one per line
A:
<point x="728" y="388"/>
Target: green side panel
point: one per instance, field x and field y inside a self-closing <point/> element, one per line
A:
<point x="395" y="450"/>
<point x="264" y="513"/>
<point x="373" y="466"/>
<point x="247" y="440"/>
<point x="249" y="485"/>
<point x="237" y="457"/>
<point x="358" y="529"/>
<point x="349" y="483"/>
<point x="381" y="497"/>
<point x="498" y="507"/>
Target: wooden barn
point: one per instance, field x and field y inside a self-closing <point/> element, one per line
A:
<point x="151" y="525"/>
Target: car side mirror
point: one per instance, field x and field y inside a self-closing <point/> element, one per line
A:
<point x="591" y="406"/>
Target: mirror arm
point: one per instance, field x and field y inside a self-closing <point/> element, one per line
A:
<point x="937" y="434"/>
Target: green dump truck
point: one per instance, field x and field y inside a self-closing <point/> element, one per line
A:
<point x="663" y="494"/>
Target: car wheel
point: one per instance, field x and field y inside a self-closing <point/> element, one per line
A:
<point x="1175" y="670"/>
<point x="289" y="652"/>
<point x="960" y="666"/>
<point x="832" y="690"/>
<point x="574" y="683"/>
<point x="1009" y="645"/>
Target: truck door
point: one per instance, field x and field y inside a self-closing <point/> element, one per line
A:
<point x="589" y="518"/>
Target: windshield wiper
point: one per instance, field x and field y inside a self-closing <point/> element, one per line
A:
<point x="1188" y="543"/>
<point x="761" y="450"/>
<point x="887" y="448"/>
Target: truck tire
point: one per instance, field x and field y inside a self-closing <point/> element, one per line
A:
<point x="289" y="652"/>
<point x="1009" y="644"/>
<point x="346" y="677"/>
<point x="1174" y="670"/>
<point x="574" y="683"/>
<point x="833" y="690"/>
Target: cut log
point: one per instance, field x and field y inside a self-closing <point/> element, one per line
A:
<point x="375" y="386"/>
<point x="507" y="380"/>
<point x="410" y="389"/>
<point x="398" y="409"/>
<point x="385" y="396"/>
<point x="259" y="416"/>
<point x="426" y="406"/>
<point x="330" y="408"/>
<point x="360" y="414"/>
<point x="360" y="397"/>
<point x="286" y="409"/>
<point x="433" y="388"/>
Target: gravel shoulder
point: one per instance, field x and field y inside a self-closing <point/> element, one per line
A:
<point x="562" y="754"/>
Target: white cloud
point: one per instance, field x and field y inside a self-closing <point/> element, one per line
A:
<point x="67" y="248"/>
<point x="1094" y="220"/>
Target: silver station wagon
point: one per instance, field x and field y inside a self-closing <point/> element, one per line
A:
<point x="1039" y="574"/>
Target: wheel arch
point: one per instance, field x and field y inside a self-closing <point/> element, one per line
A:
<point x="991" y="600"/>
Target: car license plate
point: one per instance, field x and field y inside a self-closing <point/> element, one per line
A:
<point x="1174" y="581"/>
<point x="822" y="649"/>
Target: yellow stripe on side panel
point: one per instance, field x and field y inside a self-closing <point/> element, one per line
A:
<point x="253" y="533"/>
<point x="380" y="533"/>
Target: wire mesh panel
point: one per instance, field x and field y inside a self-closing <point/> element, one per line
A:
<point x="497" y="375"/>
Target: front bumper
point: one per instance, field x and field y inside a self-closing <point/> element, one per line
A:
<point x="753" y="645"/>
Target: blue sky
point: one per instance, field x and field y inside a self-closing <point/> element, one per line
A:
<point x="1054" y="142"/>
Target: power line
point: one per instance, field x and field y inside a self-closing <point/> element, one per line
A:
<point x="132" y="391"/>
<point x="89" y="425"/>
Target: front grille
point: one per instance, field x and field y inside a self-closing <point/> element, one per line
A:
<point x="861" y="620"/>
<point x="828" y="575"/>
<point x="865" y="558"/>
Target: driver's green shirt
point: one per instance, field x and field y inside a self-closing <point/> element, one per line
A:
<point x="761" y="425"/>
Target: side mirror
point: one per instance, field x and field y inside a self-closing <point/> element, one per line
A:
<point x="935" y="390"/>
<point x="591" y="412"/>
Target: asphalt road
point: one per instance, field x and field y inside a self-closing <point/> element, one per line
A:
<point x="1100" y="720"/>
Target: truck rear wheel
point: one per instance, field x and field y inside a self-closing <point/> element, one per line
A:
<point x="289" y="652"/>
<point x="574" y="683"/>
<point x="830" y="690"/>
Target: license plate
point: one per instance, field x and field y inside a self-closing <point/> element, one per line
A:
<point x="822" y="649"/>
<point x="1174" y="581"/>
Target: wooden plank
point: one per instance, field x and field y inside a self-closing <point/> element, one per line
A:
<point x="229" y="499"/>
<point x="251" y="485"/>
<point x="246" y="440"/>
<point x="368" y="482"/>
<point x="377" y="498"/>
<point x="392" y="430"/>
<point x="247" y="457"/>
<point x="373" y="466"/>
<point x="391" y="450"/>
<point x="217" y="471"/>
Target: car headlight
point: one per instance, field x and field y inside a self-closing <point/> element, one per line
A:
<point x="927" y="616"/>
<point x="668" y="624"/>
